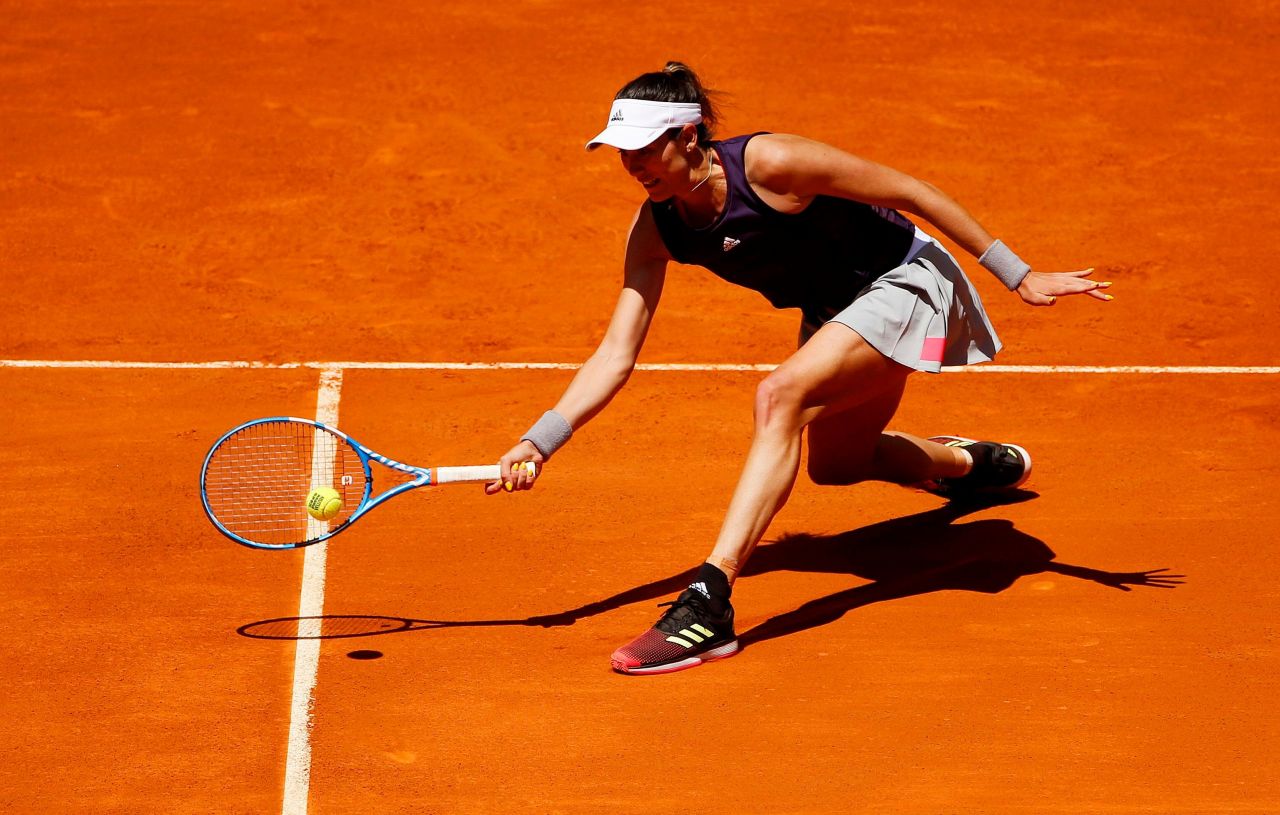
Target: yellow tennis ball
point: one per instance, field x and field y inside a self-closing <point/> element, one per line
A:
<point x="323" y="503"/>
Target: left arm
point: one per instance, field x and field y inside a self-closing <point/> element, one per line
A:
<point x="797" y="169"/>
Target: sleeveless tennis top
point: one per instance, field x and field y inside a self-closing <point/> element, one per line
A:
<point x="816" y="260"/>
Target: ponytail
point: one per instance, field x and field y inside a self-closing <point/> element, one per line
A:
<point x="676" y="82"/>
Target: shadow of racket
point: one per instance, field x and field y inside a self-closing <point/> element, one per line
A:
<point x="349" y="626"/>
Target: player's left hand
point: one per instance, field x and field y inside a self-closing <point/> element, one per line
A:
<point x="1044" y="288"/>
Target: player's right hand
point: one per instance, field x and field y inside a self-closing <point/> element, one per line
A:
<point x="521" y="467"/>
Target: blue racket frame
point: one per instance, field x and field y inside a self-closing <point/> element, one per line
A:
<point x="422" y="478"/>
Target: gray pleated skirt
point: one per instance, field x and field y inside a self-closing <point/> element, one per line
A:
<point x="924" y="314"/>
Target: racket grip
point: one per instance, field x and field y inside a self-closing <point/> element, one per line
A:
<point x="464" y="475"/>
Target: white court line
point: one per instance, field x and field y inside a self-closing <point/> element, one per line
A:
<point x="111" y="363"/>
<point x="306" y="660"/>
<point x="571" y="366"/>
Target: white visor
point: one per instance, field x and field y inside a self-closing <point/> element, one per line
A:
<point x="635" y="123"/>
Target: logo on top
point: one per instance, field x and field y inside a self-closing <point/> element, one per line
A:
<point x="730" y="243"/>
<point x="616" y="117"/>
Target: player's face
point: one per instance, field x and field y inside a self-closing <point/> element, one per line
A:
<point x="661" y="167"/>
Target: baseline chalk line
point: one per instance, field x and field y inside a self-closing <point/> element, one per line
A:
<point x="652" y="366"/>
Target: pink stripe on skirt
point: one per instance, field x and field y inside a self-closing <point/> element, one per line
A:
<point x="933" y="348"/>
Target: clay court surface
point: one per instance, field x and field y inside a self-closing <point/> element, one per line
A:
<point x="332" y="183"/>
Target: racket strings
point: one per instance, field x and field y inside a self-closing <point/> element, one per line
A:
<point x="258" y="479"/>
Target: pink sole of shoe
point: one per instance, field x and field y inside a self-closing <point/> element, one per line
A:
<point x="719" y="652"/>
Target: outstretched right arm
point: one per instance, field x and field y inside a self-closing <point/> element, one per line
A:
<point x="608" y="369"/>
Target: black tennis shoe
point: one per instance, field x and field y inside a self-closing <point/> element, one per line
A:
<point x="686" y="635"/>
<point x="996" y="466"/>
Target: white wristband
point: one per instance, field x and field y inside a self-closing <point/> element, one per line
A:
<point x="1008" y="268"/>
<point x="549" y="433"/>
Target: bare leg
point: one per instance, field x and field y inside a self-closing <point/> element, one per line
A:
<point x="834" y="372"/>
<point x="852" y="446"/>
<point x="845" y="392"/>
<point x="904" y="459"/>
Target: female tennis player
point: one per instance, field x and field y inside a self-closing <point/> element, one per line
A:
<point x="814" y="228"/>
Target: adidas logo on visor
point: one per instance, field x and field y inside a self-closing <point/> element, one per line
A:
<point x="635" y="123"/>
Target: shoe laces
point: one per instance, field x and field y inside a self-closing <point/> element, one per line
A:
<point x="690" y="606"/>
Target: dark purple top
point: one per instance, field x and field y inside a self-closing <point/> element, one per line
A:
<point x="816" y="260"/>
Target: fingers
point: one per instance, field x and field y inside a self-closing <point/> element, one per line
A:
<point x="518" y="476"/>
<point x="1069" y="284"/>
<point x="525" y="473"/>
<point x="513" y="476"/>
<point x="517" y="470"/>
<point x="1097" y="292"/>
<point x="1045" y="288"/>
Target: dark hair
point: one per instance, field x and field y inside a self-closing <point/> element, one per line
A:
<point x="676" y="83"/>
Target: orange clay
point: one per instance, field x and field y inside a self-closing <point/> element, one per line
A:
<point x="327" y="181"/>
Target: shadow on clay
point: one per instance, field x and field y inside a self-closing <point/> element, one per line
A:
<point x="901" y="557"/>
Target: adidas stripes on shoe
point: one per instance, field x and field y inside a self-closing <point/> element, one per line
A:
<point x="686" y="635"/>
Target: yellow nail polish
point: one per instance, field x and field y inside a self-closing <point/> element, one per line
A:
<point x="507" y="486"/>
<point x="1104" y="285"/>
<point x="1107" y="297"/>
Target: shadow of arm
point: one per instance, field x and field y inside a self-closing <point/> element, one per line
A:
<point x="1153" y="578"/>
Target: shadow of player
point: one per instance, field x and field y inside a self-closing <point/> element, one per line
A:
<point x="920" y="554"/>
<point x="901" y="557"/>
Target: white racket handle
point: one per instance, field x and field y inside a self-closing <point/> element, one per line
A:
<point x="463" y="475"/>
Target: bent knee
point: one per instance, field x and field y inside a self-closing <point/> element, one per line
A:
<point x="779" y="399"/>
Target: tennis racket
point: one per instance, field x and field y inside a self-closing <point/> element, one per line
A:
<point x="256" y="479"/>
